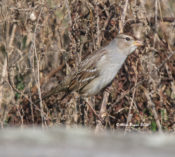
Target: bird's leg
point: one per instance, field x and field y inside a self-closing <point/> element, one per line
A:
<point x="89" y="102"/>
<point x="91" y="107"/>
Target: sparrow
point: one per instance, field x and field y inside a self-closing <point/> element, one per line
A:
<point x="98" y="69"/>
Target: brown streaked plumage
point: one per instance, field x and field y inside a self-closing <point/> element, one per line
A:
<point x="98" y="69"/>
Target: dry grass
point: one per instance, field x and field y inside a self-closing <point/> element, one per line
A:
<point x="41" y="41"/>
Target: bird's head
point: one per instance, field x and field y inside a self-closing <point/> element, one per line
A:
<point x="126" y="43"/>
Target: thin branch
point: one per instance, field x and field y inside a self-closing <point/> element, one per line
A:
<point x="122" y="22"/>
<point x="151" y="105"/>
<point x="12" y="35"/>
<point x="3" y="78"/>
<point x="38" y="69"/>
<point x="140" y="82"/>
<point x="45" y="79"/>
<point x="129" y="118"/>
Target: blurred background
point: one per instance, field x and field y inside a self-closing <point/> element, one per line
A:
<point x="41" y="41"/>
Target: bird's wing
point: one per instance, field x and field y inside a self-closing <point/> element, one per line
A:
<point x="87" y="71"/>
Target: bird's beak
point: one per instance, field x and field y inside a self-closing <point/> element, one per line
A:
<point x="138" y="43"/>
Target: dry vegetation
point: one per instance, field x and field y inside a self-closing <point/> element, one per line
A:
<point x="44" y="39"/>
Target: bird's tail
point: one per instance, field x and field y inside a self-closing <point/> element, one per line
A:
<point x="53" y="91"/>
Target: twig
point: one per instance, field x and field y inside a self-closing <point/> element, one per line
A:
<point x="104" y="103"/>
<point x="131" y="104"/>
<point x="69" y="11"/>
<point x="38" y="69"/>
<point x="151" y="105"/>
<point x="12" y="35"/>
<point x="45" y="79"/>
<point x="156" y="10"/>
<point x="140" y="82"/>
<point x="99" y="126"/>
<point x="98" y="27"/>
<point x="4" y="75"/>
<point x="122" y="22"/>
<point x="89" y="103"/>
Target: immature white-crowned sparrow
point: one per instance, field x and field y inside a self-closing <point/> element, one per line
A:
<point x="98" y="69"/>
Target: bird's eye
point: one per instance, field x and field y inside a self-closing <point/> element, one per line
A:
<point x="127" y="38"/>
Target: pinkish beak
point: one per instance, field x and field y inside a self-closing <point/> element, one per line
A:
<point x="138" y="43"/>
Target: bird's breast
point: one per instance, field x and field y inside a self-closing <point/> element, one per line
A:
<point x="110" y="67"/>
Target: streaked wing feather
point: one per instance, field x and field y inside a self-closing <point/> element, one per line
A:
<point x="87" y="71"/>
